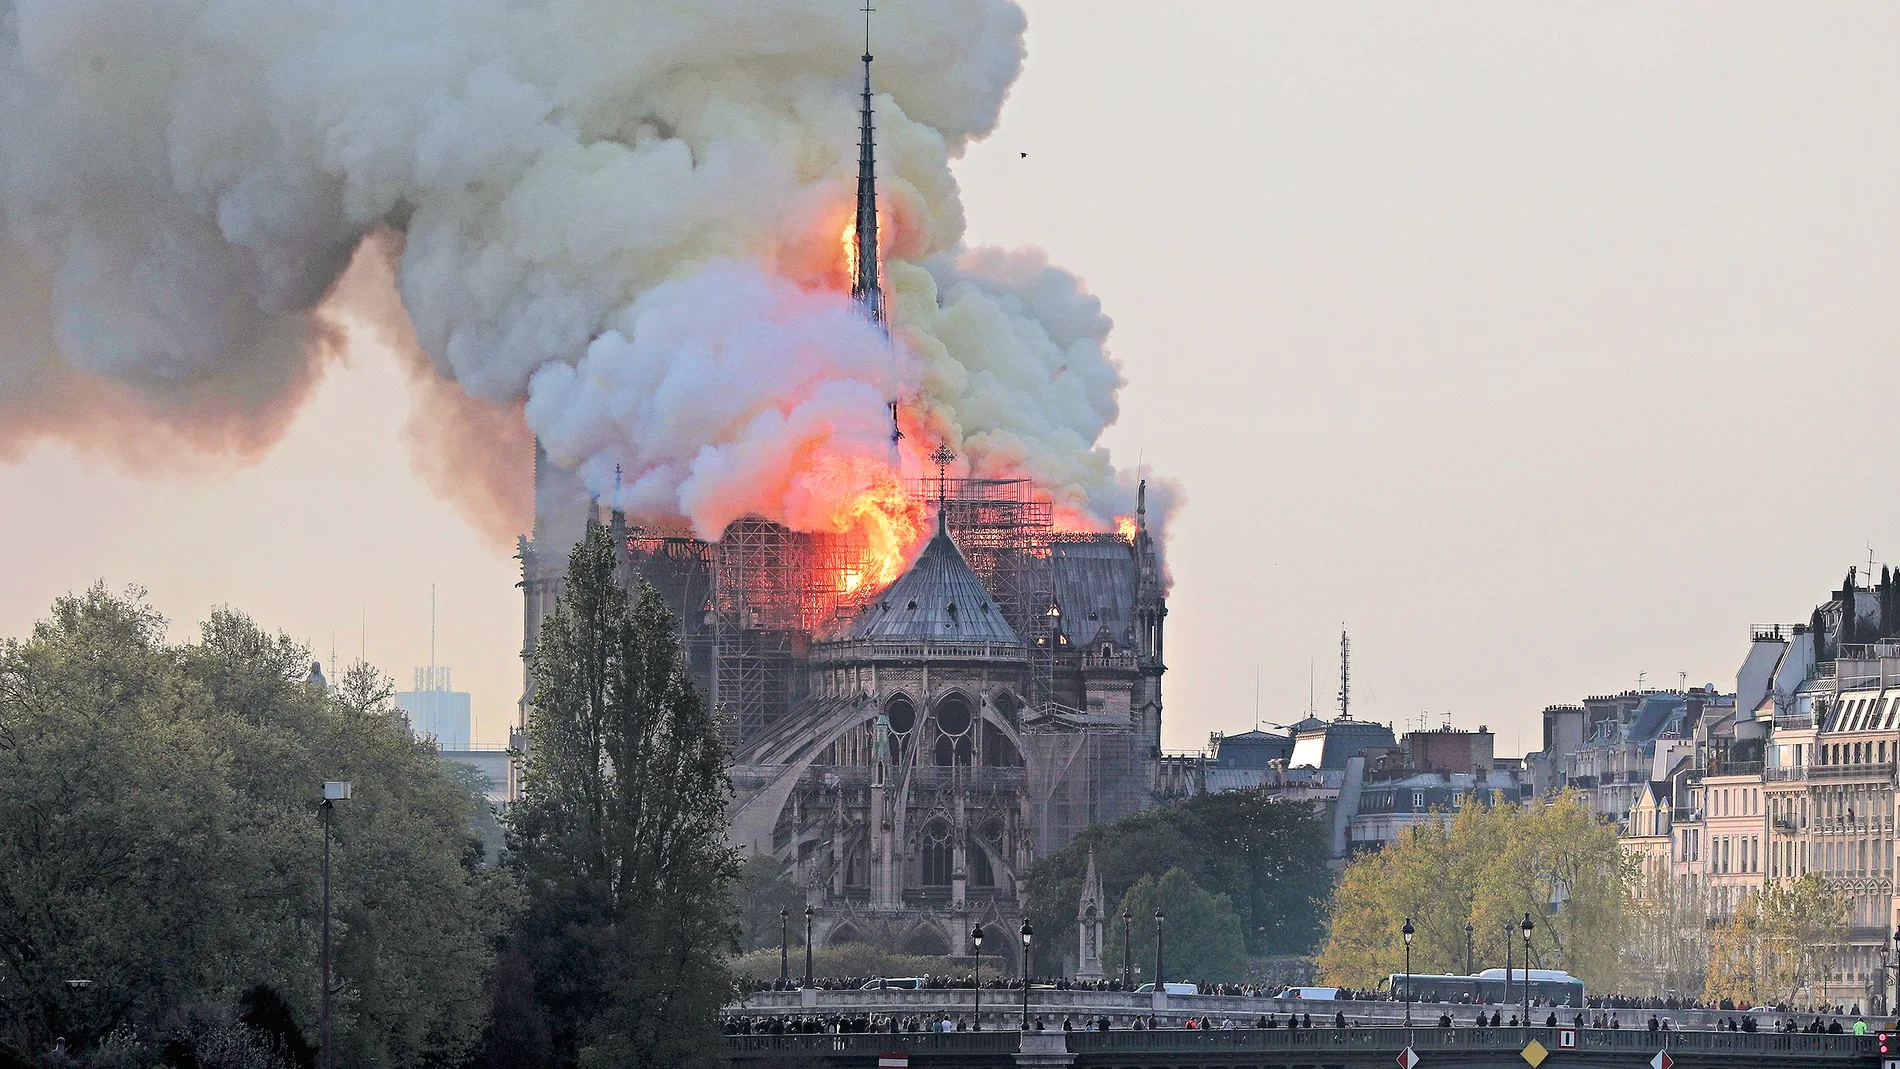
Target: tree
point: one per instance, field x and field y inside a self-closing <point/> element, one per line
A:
<point x="1268" y="857"/>
<point x="762" y="889"/>
<point x="1200" y="935"/>
<point x="1488" y="866"/>
<point x="1669" y="946"/>
<point x="619" y="837"/>
<point x="1777" y="941"/>
<point x="159" y="836"/>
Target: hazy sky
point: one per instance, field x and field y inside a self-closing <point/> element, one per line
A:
<point x="1540" y="345"/>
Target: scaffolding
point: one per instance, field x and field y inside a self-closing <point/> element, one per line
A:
<point x="1004" y="528"/>
<point x="751" y="604"/>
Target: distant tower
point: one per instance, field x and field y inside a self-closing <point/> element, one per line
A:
<point x="865" y="286"/>
<point x="1345" y="676"/>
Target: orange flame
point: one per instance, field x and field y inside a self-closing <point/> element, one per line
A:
<point x="848" y="237"/>
<point x="891" y="522"/>
<point x="1125" y="528"/>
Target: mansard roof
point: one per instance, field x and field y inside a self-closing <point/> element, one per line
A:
<point x="938" y="598"/>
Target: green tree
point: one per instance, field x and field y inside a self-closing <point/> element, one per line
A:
<point x="158" y="835"/>
<point x="619" y="836"/>
<point x="1200" y="933"/>
<point x="1269" y="857"/>
<point x="762" y="889"/>
<point x="1777" y="941"/>
<point x="1488" y="866"/>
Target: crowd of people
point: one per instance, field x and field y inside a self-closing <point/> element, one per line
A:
<point x="1051" y="983"/>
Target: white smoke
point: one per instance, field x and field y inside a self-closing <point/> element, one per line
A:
<point x="625" y="215"/>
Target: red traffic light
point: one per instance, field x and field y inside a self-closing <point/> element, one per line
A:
<point x="1883" y="1043"/>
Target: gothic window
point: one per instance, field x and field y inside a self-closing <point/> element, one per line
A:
<point x="982" y="874"/>
<point x="953" y="714"/>
<point x="938" y="855"/>
<point x="902" y="714"/>
<point x="945" y="751"/>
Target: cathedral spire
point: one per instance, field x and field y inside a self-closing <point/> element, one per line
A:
<point x="865" y="288"/>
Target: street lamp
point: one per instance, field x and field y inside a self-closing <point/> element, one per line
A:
<point x="1527" y="926"/>
<point x="784" y="945"/>
<point x="976" y="940"/>
<point x="1159" y="975"/>
<point x="334" y="791"/>
<point x="1897" y="971"/>
<point x="1128" y="944"/>
<point x="1028" y="934"/>
<point x="1468" y="931"/>
<point x="1507" y="958"/>
<point x="808" y="916"/>
<point x="1408" y="931"/>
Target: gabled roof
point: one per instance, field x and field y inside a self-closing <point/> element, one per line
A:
<point x="937" y="598"/>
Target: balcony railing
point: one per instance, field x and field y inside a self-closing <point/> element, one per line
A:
<point x="860" y="649"/>
<point x="1877" y="770"/>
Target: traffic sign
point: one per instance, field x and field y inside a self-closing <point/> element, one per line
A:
<point x="1535" y="1053"/>
<point x="1408" y="1058"/>
<point x="1566" y="1039"/>
<point x="1662" y="1060"/>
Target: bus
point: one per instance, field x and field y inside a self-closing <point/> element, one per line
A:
<point x="1550" y="987"/>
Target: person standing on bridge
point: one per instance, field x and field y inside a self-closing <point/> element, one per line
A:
<point x="1339" y="1019"/>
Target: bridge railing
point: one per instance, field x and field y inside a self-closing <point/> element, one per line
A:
<point x="1005" y="1041"/>
<point x="1740" y="1045"/>
<point x="1778" y="1044"/>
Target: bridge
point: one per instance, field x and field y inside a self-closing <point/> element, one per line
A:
<point x="1307" y="1048"/>
<point x="1002" y="1008"/>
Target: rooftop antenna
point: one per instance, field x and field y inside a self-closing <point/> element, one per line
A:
<point x="1345" y="675"/>
<point x="1309" y="686"/>
<point x="1256" y="695"/>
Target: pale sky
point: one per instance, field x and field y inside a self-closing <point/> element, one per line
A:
<point x="1540" y="345"/>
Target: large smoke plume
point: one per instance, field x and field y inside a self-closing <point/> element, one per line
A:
<point x="625" y="219"/>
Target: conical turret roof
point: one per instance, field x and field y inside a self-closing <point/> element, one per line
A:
<point x="938" y="598"/>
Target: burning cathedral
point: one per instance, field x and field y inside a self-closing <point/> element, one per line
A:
<point x="906" y="744"/>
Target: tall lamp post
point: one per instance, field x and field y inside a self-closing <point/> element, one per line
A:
<point x="976" y="940"/>
<point x="808" y="916"/>
<point x="784" y="945"/>
<point x="1408" y="931"/>
<point x="1507" y="959"/>
<point x="1468" y="931"/>
<point x="1028" y="934"/>
<point x="1160" y="977"/>
<point x="1128" y="945"/>
<point x="333" y="792"/>
<point x="1527" y="926"/>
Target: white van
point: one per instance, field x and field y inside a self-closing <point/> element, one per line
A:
<point x="1319" y="994"/>
<point x="1171" y="987"/>
<point x="894" y="983"/>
